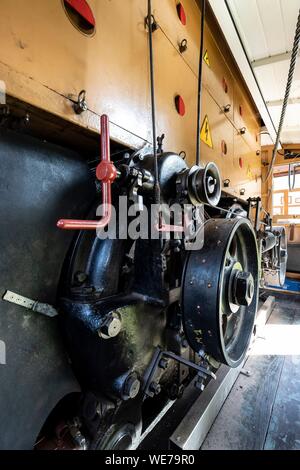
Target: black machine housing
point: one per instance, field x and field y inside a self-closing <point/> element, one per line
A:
<point x="128" y="313"/>
<point x="121" y="303"/>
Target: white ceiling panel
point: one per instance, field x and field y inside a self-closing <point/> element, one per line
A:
<point x="267" y="30"/>
<point x="266" y="26"/>
<point x="272" y="80"/>
<point x="270" y="20"/>
<point x="245" y="18"/>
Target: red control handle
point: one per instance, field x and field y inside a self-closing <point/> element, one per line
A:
<point x="106" y="172"/>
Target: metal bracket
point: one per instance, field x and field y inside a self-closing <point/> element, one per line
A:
<point x="29" y="304"/>
<point x="183" y="46"/>
<point x="226" y="108"/>
<point x="245" y="372"/>
<point x="159" y="355"/>
<point x="154" y="24"/>
<point x="80" y="106"/>
<point x="160" y="140"/>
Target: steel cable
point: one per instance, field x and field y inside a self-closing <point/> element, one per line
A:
<point x="152" y="86"/>
<point x="286" y="97"/>
<point x="199" y="96"/>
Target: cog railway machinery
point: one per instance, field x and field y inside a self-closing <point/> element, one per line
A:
<point x="118" y="327"/>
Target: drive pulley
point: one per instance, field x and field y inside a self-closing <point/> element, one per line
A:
<point x="220" y="291"/>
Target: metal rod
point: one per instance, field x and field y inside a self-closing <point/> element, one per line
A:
<point x="153" y="109"/>
<point x="218" y="208"/>
<point x="199" y="101"/>
<point x="190" y="364"/>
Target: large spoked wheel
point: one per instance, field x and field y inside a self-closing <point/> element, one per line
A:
<point x="220" y="291"/>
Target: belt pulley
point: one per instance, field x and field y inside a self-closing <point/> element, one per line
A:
<point x="220" y="291"/>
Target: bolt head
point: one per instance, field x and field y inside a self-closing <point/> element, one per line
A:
<point x="132" y="386"/>
<point x="200" y="385"/>
<point x="111" y="328"/>
<point x="163" y="364"/>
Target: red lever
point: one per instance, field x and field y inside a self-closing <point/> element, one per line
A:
<point x="106" y="172"/>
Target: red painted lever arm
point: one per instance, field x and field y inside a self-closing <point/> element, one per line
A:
<point x="106" y="172"/>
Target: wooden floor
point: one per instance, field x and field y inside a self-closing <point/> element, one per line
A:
<point x="263" y="409"/>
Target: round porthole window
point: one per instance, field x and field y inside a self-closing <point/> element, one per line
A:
<point x="81" y="16"/>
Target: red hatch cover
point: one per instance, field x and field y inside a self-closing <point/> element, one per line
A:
<point x="181" y="13"/>
<point x="83" y="9"/>
<point x="180" y="106"/>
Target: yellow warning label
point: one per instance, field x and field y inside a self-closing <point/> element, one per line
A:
<point x="206" y="58"/>
<point x="249" y="172"/>
<point x="205" y="133"/>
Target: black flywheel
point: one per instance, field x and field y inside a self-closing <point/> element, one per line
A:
<point x="220" y="291"/>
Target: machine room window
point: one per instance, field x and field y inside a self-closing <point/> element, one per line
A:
<point x="286" y="192"/>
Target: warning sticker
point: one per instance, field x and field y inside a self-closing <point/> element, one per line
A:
<point x="206" y="58"/>
<point x="205" y="133"/>
<point x="249" y="172"/>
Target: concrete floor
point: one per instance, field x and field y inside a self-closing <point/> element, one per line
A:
<point x="263" y="410"/>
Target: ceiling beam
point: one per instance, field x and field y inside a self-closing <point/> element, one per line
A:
<point x="275" y="103"/>
<point x="273" y="59"/>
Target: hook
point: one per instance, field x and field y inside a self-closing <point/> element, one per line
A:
<point x="81" y="105"/>
<point x="183" y="46"/>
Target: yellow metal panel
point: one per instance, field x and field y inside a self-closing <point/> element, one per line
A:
<point x="248" y="176"/>
<point x="112" y="66"/>
<point x="221" y="129"/>
<point x="217" y="75"/>
<point x="244" y="117"/>
<point x="46" y="62"/>
<point x="165" y="13"/>
<point x="174" y="77"/>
